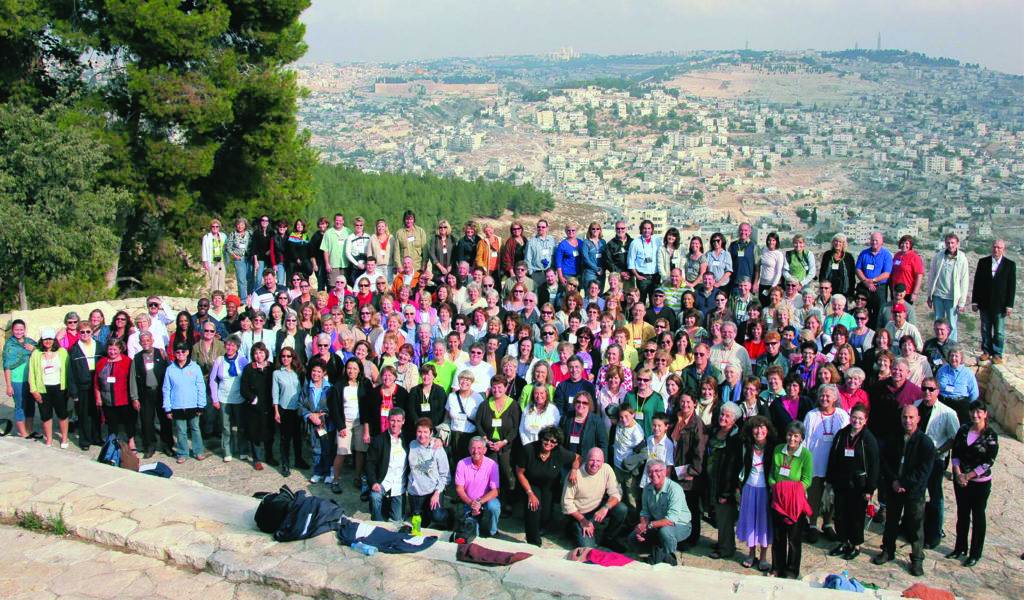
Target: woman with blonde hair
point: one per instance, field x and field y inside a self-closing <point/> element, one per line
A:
<point x="837" y="266"/>
<point x="384" y="249"/>
<point x="487" y="251"/>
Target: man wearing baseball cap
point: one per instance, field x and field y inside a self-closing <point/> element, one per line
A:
<point x="900" y="326"/>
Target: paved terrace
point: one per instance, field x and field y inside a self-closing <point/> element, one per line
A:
<point x="187" y="525"/>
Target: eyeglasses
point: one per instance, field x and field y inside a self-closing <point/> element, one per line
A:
<point x="547" y="312"/>
<point x="214" y="226"/>
<point x="290" y="320"/>
<point x="700" y="353"/>
<point x="209" y="331"/>
<point x="548" y="333"/>
<point x="549" y="441"/>
<point x="154" y="304"/>
<point x="644" y="379"/>
<point x="650" y="350"/>
<point x="364" y="285"/>
<point x="84" y="331"/>
<point x="284" y="356"/>
<point x="517" y="229"/>
<point x="323" y="345"/>
<point x="928" y="389"/>
<point x="120" y="319"/>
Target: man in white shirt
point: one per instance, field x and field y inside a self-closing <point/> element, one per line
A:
<point x="386" y="465"/>
<point x="729" y="352"/>
<point x="940" y="423"/>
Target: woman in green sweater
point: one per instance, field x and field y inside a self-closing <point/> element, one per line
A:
<point x="790" y="462"/>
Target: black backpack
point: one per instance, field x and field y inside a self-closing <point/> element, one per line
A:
<point x="307" y="517"/>
<point x="273" y="508"/>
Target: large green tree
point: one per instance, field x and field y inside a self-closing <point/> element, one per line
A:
<point x="57" y="214"/>
<point x="191" y="99"/>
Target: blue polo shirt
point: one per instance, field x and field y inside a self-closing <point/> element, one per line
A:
<point x="873" y="265"/>
<point x="643" y="256"/>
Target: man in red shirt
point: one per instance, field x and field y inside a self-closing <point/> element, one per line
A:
<point x="907" y="268"/>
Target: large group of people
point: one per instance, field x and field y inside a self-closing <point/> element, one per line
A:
<point x="619" y="391"/>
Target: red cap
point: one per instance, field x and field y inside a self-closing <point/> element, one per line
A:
<point x="899" y="308"/>
<point x="233" y="299"/>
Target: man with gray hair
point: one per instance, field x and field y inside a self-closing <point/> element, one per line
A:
<point x="476" y="484"/>
<point x="729" y="352"/>
<point x="539" y="252"/>
<point x="664" y="517"/>
<point x="594" y="502"/>
<point x="145" y="388"/>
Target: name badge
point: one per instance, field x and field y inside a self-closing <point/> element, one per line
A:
<point x="574" y="439"/>
<point x="897" y="262"/>
<point x="571" y="398"/>
<point x="411" y="239"/>
<point x="425" y="407"/>
<point x="111" y="379"/>
<point x="49" y="368"/>
<point x="848" y="452"/>
<point x="639" y="416"/>
<point x="459" y="422"/>
<point x="828" y="436"/>
<point x="869" y="267"/>
<point x="385" y="412"/>
<point x="496" y="423"/>
<point x="647" y="260"/>
<point x="149" y="365"/>
<point x="321" y="431"/>
<point x="835" y="266"/>
<point x="575" y="254"/>
<point x="681" y="471"/>
<point x="948" y="389"/>
<point x="494" y="254"/>
<point x="937" y="362"/>
<point x="784" y="472"/>
<point x="444" y="250"/>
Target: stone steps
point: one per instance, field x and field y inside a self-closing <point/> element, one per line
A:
<point x="190" y="525"/>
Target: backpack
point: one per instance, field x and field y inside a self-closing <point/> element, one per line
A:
<point x="464" y="531"/>
<point x="307" y="517"/>
<point x="110" y="452"/>
<point x="273" y="508"/>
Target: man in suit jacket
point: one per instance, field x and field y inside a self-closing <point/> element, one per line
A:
<point x="907" y="462"/>
<point x="995" y="284"/>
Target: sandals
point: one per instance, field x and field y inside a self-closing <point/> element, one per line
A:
<point x="749" y="562"/>
<point x="764" y="567"/>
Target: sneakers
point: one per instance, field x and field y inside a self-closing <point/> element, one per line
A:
<point x="63" y="445"/>
<point x="243" y="457"/>
<point x="228" y="458"/>
<point x="329" y="479"/>
<point x="258" y="466"/>
<point x="336" y="487"/>
<point x="316" y="478"/>
<point x="916" y="568"/>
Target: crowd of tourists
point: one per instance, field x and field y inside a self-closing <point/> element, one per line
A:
<point x="618" y="390"/>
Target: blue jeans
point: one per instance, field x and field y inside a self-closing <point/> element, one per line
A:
<point x="183" y="429"/>
<point x="993" y="332"/>
<point x="946" y="309"/>
<point x="242" y="276"/>
<point x="232" y="436"/>
<point x="377" y="506"/>
<point x="420" y="505"/>
<point x="24" y="405"/>
<point x="323" y="451"/>
<point x="666" y="537"/>
<point x="256" y="280"/>
<point x="487" y="520"/>
<point x="281" y="274"/>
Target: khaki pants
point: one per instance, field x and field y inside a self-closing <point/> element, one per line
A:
<point x="215" y="276"/>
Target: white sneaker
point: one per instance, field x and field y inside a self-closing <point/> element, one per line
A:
<point x="316" y="479"/>
<point x="329" y="479"/>
<point x="63" y="445"/>
<point x="243" y="457"/>
<point x="227" y="458"/>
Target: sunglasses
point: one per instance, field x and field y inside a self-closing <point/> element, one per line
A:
<point x="928" y="389"/>
<point x="644" y="379"/>
<point x="209" y="331"/>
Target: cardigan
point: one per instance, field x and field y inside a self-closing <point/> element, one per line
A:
<point x="800" y="464"/>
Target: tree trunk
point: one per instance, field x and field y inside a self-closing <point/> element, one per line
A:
<point x="110" y="277"/>
<point x="22" y="296"/>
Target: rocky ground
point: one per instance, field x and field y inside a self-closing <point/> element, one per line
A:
<point x="39" y="566"/>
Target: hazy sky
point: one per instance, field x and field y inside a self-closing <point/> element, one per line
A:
<point x="990" y="32"/>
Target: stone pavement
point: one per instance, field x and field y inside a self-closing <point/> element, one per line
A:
<point x="39" y="566"/>
<point x="190" y="526"/>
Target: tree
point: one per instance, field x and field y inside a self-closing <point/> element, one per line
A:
<point x="58" y="216"/>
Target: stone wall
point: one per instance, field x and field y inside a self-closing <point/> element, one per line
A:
<point x="54" y="316"/>
<point x="1003" y="389"/>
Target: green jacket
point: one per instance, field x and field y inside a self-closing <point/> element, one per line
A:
<point x="801" y="466"/>
<point x="35" y="371"/>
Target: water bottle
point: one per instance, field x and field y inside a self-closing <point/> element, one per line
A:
<point x="365" y="549"/>
<point x="417" y="520"/>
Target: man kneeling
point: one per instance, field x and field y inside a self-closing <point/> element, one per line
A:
<point x="386" y="468"/>
<point x="594" y="501"/>
<point x="476" y="483"/>
<point x="664" y="517"/>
